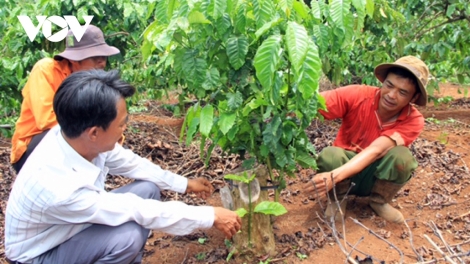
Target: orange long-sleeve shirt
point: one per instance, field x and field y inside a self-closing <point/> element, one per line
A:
<point x="37" y="113"/>
<point x="357" y="106"/>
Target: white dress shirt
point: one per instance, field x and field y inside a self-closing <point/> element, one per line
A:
<point x="58" y="193"/>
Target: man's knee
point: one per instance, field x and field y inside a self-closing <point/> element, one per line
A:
<point x="147" y="190"/>
<point x="400" y="160"/>
<point x="331" y="158"/>
<point x="135" y="237"/>
<point x="129" y="243"/>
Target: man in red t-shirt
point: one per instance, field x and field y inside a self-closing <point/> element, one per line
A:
<point x="371" y="148"/>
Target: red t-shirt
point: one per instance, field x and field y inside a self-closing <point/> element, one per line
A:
<point x="357" y="106"/>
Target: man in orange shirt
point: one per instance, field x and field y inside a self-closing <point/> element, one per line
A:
<point x="37" y="115"/>
<point x="371" y="148"/>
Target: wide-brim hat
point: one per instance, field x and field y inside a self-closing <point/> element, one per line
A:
<point x="415" y="66"/>
<point x="91" y="44"/>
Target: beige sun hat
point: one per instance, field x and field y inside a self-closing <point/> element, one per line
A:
<point x="414" y="65"/>
<point x="92" y="44"/>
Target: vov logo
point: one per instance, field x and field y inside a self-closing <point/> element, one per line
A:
<point x="46" y="24"/>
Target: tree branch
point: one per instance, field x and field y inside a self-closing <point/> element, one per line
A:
<point x="447" y="258"/>
<point x="420" y="258"/>
<point x="379" y="237"/>
<point x="427" y="22"/>
<point x="426" y="10"/>
<point x="439" y="25"/>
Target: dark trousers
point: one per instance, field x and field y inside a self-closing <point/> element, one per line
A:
<point x="101" y="244"/>
<point x="31" y="146"/>
<point x="396" y="166"/>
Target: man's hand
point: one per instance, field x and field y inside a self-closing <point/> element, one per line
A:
<point x="200" y="186"/>
<point x="226" y="221"/>
<point x="318" y="185"/>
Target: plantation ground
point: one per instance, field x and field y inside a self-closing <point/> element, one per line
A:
<point x="439" y="194"/>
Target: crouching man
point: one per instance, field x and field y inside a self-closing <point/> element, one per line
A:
<point x="59" y="211"/>
<point x="371" y="148"/>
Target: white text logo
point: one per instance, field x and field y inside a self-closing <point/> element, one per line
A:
<point x="46" y="24"/>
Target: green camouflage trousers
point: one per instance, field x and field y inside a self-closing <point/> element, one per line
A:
<point x="396" y="166"/>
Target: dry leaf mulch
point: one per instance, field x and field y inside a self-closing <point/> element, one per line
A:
<point x="161" y="145"/>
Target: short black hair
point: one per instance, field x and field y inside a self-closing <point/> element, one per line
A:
<point x="88" y="98"/>
<point x="404" y="73"/>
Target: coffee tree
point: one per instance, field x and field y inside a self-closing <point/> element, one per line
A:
<point x="436" y="31"/>
<point x="254" y="68"/>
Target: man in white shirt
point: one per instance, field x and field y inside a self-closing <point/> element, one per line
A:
<point x="59" y="211"/>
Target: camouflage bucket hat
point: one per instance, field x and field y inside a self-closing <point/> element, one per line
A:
<point x="92" y="44"/>
<point x="414" y="65"/>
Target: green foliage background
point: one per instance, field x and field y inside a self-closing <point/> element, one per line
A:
<point x="438" y="31"/>
<point x="121" y="21"/>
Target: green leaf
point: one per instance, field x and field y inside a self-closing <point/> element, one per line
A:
<point x="264" y="150"/>
<point x="183" y="24"/>
<point x="234" y="101"/>
<point x="296" y="42"/>
<point x="146" y="49"/>
<point x="202" y="240"/>
<point x="450" y="10"/>
<point x="83" y="12"/>
<point x="461" y="78"/>
<point x="240" y="19"/>
<point x="217" y="8"/>
<point x="193" y="67"/>
<point x="263" y="11"/>
<point x="321" y="102"/>
<point x="160" y="13"/>
<point x="233" y="132"/>
<point x="305" y="160"/>
<point x="286" y="6"/>
<point x="252" y="177"/>
<point x="207" y="119"/>
<point x="321" y="37"/>
<point x="241" y="212"/>
<point x="253" y="104"/>
<point x="212" y="80"/>
<point x="316" y="12"/>
<point x="360" y="6"/>
<point x="281" y="155"/>
<point x="302" y="9"/>
<point x="152" y="30"/>
<point x="202" y="147"/>
<point x="170" y="7"/>
<point x="187" y="120"/>
<point x="223" y="25"/>
<point x="141" y="11"/>
<point x="270" y="208"/>
<point x="288" y="132"/>
<point x="348" y="30"/>
<point x="128" y="9"/>
<point x="235" y="177"/>
<point x="266" y="27"/>
<point x="370" y="8"/>
<point x="95" y="10"/>
<point x="310" y="72"/>
<point x="226" y="122"/>
<point x="191" y="130"/>
<point x="266" y="60"/>
<point x="382" y="13"/>
<point x="196" y="17"/>
<point x="339" y="9"/>
<point x="237" y="48"/>
<point x="272" y="133"/>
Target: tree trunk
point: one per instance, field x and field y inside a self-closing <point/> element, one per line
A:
<point x="262" y="237"/>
